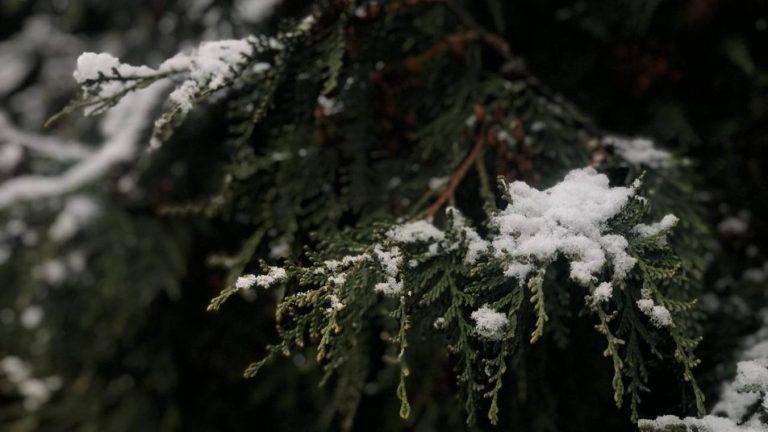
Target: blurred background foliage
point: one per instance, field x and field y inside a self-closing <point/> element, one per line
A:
<point x="128" y="337"/>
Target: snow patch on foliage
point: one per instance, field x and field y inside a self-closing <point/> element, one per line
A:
<point x="273" y="276"/>
<point x="413" y="232"/>
<point x="603" y="292"/>
<point x="666" y="223"/>
<point x="639" y="151"/>
<point x="569" y="218"/>
<point x="476" y="245"/>
<point x="659" y="315"/>
<point x="489" y="323"/>
<point x="752" y="375"/>
<point x="93" y="67"/>
<point x="518" y="271"/>
<point x="391" y="260"/>
<point x="692" y="424"/>
<point x="245" y="281"/>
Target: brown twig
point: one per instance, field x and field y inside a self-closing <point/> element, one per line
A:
<point x="492" y="39"/>
<point x="457" y="176"/>
<point x="452" y="41"/>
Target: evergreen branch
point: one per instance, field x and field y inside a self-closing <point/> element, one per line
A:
<point x="612" y="351"/>
<point x="237" y="267"/>
<point x="509" y="343"/>
<point x="402" y="341"/>
<point x="536" y="286"/>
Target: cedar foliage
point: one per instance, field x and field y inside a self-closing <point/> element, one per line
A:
<point x="417" y="91"/>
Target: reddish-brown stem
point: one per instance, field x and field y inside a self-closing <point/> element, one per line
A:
<point x="457" y="177"/>
<point x="492" y="39"/>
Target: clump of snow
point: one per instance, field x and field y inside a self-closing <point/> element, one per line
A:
<point x="391" y="260"/>
<point x="569" y="218"/>
<point x="109" y="72"/>
<point x="354" y="259"/>
<point x="245" y="281"/>
<point x="616" y="248"/>
<point x="476" y="245"/>
<point x="390" y="287"/>
<point x="666" y="223"/>
<point x="335" y="269"/>
<point x="273" y="276"/>
<point x="739" y="398"/>
<point x="639" y="151"/>
<point x="603" y="292"/>
<point x="752" y="375"/>
<point x="518" y="270"/>
<point x="439" y="323"/>
<point x="209" y="68"/>
<point x="336" y="304"/>
<point x="489" y="323"/>
<point x="708" y="423"/>
<point x="415" y="232"/>
<point x="659" y="315"/>
<point x="183" y="96"/>
<point x="338" y="279"/>
<point x="734" y="404"/>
